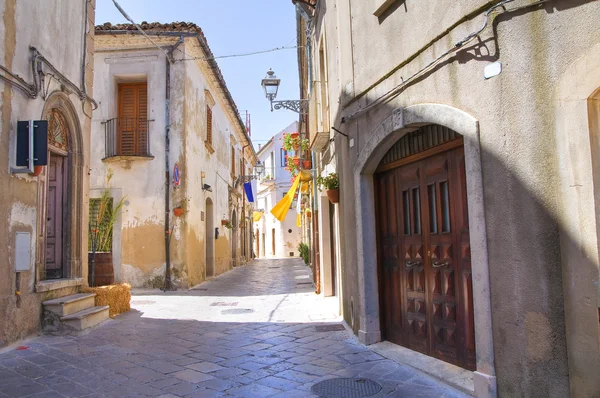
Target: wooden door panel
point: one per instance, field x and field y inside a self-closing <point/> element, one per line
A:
<point x="423" y="235"/>
<point x="54" y="218"/>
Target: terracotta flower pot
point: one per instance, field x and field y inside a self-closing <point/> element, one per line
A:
<point x="296" y="161"/>
<point x="223" y="222"/>
<point x="37" y="170"/>
<point x="295" y="135"/>
<point x="178" y="211"/>
<point x="307" y="164"/>
<point x="333" y="195"/>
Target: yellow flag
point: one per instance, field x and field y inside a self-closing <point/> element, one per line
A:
<point x="281" y="209"/>
<point x="257" y="215"/>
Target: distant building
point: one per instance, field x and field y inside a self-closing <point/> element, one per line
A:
<point x="141" y="132"/>
<point x="273" y="238"/>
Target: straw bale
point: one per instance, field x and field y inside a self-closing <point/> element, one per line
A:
<point x="117" y="297"/>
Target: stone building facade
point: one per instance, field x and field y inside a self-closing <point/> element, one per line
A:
<point x="158" y="110"/>
<point x="47" y="74"/>
<point x="465" y="138"/>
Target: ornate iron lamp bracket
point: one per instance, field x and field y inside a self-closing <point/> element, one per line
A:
<point x="298" y="106"/>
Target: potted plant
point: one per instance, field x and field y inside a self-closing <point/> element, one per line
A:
<point x="307" y="164"/>
<point x="103" y="215"/>
<point x="292" y="166"/>
<point x="224" y="222"/>
<point x="331" y="185"/>
<point x="291" y="141"/>
<point x="179" y="210"/>
<point x="228" y="224"/>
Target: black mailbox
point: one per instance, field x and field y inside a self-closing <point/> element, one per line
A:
<point x="40" y="143"/>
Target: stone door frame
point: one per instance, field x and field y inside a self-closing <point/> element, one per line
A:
<point x="402" y="121"/>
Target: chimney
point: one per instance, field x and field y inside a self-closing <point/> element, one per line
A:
<point x="259" y="146"/>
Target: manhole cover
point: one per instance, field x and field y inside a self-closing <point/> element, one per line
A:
<point x="223" y="304"/>
<point x="330" y="328"/>
<point x="143" y="302"/>
<point x="236" y="311"/>
<point x="346" y="388"/>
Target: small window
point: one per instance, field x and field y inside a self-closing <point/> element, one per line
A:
<point x="209" y="126"/>
<point x="284" y="155"/>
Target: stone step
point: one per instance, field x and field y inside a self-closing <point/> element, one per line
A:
<point x="87" y="318"/>
<point x="68" y="305"/>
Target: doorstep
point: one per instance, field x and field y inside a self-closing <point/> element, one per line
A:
<point x="452" y="375"/>
<point x="55" y="284"/>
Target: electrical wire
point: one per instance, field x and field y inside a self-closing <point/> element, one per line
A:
<point x="138" y="27"/>
<point x="234" y="55"/>
<point x="467" y="39"/>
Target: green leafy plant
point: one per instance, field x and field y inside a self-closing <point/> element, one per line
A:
<point x="329" y="182"/>
<point x="304" y="144"/>
<point x="103" y="214"/>
<point x="304" y="252"/>
<point x="291" y="141"/>
<point x="228" y="225"/>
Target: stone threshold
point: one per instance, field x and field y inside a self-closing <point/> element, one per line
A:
<point x="55" y="284"/>
<point x="446" y="373"/>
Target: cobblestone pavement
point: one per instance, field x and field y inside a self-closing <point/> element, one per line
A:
<point x="248" y="333"/>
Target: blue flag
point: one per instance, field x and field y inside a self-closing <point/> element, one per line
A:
<point x="248" y="189"/>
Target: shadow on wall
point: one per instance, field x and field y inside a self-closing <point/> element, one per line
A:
<point x="525" y="237"/>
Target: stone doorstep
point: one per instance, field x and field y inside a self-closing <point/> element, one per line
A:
<point x="87" y="318"/>
<point x="449" y="374"/>
<point x="72" y="304"/>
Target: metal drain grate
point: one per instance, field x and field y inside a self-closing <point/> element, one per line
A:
<point x="143" y="302"/>
<point x="330" y="328"/>
<point x="223" y="304"/>
<point x="237" y="311"/>
<point x="346" y="388"/>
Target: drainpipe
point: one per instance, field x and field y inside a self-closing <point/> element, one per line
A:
<point x="169" y="61"/>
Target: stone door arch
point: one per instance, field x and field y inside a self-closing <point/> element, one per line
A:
<point x="401" y="122"/>
<point x="65" y="144"/>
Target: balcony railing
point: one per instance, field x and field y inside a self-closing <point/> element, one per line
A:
<point x="127" y="137"/>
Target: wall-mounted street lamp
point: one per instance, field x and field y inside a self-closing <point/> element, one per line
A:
<point x="271" y="85"/>
<point x="259" y="169"/>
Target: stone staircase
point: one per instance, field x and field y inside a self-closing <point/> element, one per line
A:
<point x="72" y="313"/>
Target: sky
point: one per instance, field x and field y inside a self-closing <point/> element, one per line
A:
<point x="234" y="27"/>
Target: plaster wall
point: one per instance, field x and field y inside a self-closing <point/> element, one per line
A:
<point x="19" y="200"/>
<point x="141" y="181"/>
<point x="520" y="162"/>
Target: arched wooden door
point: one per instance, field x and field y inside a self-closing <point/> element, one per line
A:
<point x="426" y="290"/>
<point x="56" y="194"/>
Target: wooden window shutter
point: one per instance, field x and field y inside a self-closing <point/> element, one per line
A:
<point x="209" y="125"/>
<point x="232" y="161"/>
<point x="133" y="119"/>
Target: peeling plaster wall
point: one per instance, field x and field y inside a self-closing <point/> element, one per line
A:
<point x="142" y="181"/>
<point x="525" y="158"/>
<point x="28" y="23"/>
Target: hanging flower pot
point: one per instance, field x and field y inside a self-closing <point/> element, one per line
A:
<point x="333" y="195"/>
<point x="178" y="211"/>
<point x="224" y="222"/>
<point x="37" y="170"/>
<point x="295" y="135"/>
<point x="296" y="161"/>
<point x="307" y="164"/>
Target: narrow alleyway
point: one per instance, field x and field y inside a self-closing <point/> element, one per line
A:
<point x="256" y="331"/>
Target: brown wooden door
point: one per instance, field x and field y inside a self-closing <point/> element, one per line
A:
<point x="132" y="122"/>
<point x="425" y="268"/>
<point x="55" y="217"/>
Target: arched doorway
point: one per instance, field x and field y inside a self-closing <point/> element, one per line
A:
<point x="234" y="239"/>
<point x="424" y="248"/>
<point x="60" y="195"/>
<point x="210" y="239"/>
<point x="57" y="226"/>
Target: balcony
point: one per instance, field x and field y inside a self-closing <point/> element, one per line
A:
<point x="268" y="177"/>
<point x="127" y="139"/>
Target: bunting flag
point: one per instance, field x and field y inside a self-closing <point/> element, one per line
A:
<point x="257" y="215"/>
<point x="248" y="189"/>
<point x="298" y="209"/>
<point x="283" y="206"/>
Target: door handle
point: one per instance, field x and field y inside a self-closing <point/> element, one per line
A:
<point x="410" y="264"/>
<point x="437" y="264"/>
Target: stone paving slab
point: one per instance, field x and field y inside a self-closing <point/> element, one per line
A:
<point x="177" y="344"/>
